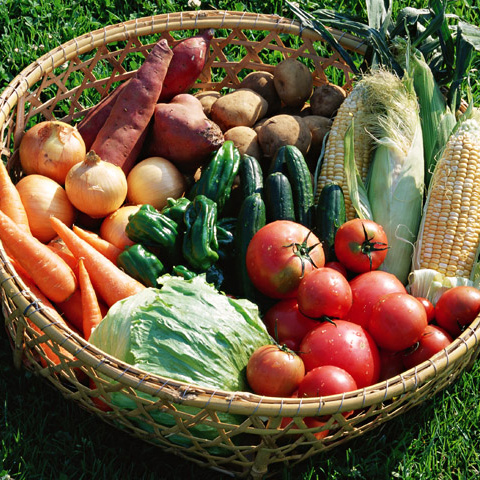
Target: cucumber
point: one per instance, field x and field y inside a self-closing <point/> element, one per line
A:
<point x="251" y="218"/>
<point x="279" y="163"/>
<point x="279" y="198"/>
<point x="302" y="186"/>
<point x="329" y="216"/>
<point x="251" y="176"/>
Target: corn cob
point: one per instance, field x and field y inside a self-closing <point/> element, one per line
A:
<point x="449" y="233"/>
<point x="332" y="168"/>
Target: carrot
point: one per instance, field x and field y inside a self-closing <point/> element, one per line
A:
<point x="92" y="315"/>
<point x="111" y="283"/>
<point x="69" y="259"/>
<point x="90" y="125"/>
<point x="10" y="201"/>
<point x="103" y="246"/>
<point x="54" y="278"/>
<point x="120" y="140"/>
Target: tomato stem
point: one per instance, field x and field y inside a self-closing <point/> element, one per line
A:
<point x="302" y="251"/>
<point x="368" y="246"/>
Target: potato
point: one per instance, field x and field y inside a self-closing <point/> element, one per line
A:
<point x="183" y="134"/>
<point x="293" y="82"/>
<point x="242" y="107"/>
<point x="207" y="99"/>
<point x="282" y="130"/>
<point x="326" y="100"/>
<point x="245" y="139"/>
<point x="262" y="83"/>
<point x="319" y="127"/>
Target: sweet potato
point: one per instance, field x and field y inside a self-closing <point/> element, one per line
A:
<point x="188" y="60"/>
<point x="94" y="120"/>
<point x="182" y="133"/>
<point x="120" y="139"/>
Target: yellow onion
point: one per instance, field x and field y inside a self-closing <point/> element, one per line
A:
<point x="51" y="148"/>
<point x="43" y="197"/>
<point x="153" y="180"/>
<point x="96" y="187"/>
<point x="113" y="226"/>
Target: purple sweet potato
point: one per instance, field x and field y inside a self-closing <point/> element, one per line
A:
<point x="94" y="120"/>
<point x="188" y="61"/>
<point x="119" y="140"/>
<point x="182" y="133"/>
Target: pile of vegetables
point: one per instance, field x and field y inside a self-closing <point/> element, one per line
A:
<point x="203" y="236"/>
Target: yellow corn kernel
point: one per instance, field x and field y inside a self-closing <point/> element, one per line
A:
<point x="450" y="230"/>
<point x="332" y="168"/>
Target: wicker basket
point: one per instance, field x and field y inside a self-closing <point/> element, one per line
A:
<point x="55" y="87"/>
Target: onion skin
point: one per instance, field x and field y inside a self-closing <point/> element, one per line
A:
<point x="43" y="197"/>
<point x="153" y="181"/>
<point x="51" y="148"/>
<point x="96" y="187"/>
<point x="113" y="226"/>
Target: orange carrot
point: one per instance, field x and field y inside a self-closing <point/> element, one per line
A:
<point x="10" y="201"/>
<point x="92" y="315"/>
<point x="111" y="283"/>
<point x="54" y="278"/>
<point x="108" y="249"/>
<point x="69" y="259"/>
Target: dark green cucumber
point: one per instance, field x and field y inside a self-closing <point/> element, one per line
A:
<point x="329" y="216"/>
<point x="279" y="198"/>
<point x="278" y="163"/>
<point x="250" y="175"/>
<point x="302" y="187"/>
<point x="251" y="218"/>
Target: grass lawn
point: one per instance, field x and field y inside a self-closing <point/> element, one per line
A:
<point x="44" y="437"/>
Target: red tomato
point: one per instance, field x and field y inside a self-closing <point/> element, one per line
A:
<point x="324" y="291"/>
<point x="279" y="255"/>
<point x="429" y="308"/>
<point x="456" y="308"/>
<point x="433" y="340"/>
<point x="337" y="266"/>
<point x="345" y="345"/>
<point x="391" y="364"/>
<point x="326" y="380"/>
<point x="361" y="245"/>
<point x="397" y="321"/>
<point x="274" y="371"/>
<point x="367" y="288"/>
<point x="286" y="324"/>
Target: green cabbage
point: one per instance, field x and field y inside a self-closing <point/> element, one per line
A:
<point x="186" y="331"/>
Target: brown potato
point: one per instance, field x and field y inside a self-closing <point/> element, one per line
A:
<point x="282" y="130"/>
<point x="262" y="83"/>
<point x="319" y="127"/>
<point x="326" y="100"/>
<point x="293" y="82"/>
<point x="207" y="99"/>
<point x="245" y="139"/>
<point x="242" y="107"/>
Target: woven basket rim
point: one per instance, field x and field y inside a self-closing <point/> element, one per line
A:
<point x="193" y="395"/>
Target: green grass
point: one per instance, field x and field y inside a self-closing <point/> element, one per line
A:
<point x="43" y="436"/>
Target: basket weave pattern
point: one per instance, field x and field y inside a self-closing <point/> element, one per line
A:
<point x="56" y="86"/>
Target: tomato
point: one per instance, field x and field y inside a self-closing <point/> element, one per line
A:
<point x="337" y="266"/>
<point x="274" y="371"/>
<point x="324" y="291"/>
<point x="367" y="288"/>
<point x="433" y="340"/>
<point x="361" y="245"/>
<point x="279" y="255"/>
<point x="397" y="321"/>
<point x="456" y="308"/>
<point x="391" y="364"/>
<point x="286" y="324"/>
<point x="429" y="308"/>
<point x="326" y="380"/>
<point x="345" y="345"/>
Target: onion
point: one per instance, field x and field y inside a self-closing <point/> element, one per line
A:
<point x="43" y="197"/>
<point x="153" y="180"/>
<point x="113" y="227"/>
<point x="51" y="148"/>
<point x="95" y="187"/>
